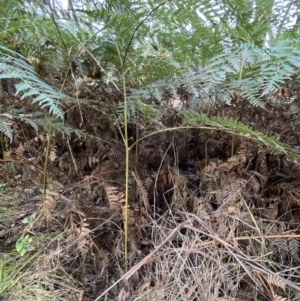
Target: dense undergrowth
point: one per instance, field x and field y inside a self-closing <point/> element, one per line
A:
<point x="148" y="154"/>
<point x="203" y="224"/>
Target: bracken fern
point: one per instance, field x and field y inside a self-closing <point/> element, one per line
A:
<point x="14" y="66"/>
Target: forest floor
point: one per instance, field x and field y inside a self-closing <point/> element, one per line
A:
<point x="202" y="224"/>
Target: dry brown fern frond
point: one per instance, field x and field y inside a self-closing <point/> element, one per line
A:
<point x="261" y="162"/>
<point x="290" y="168"/>
<point x="247" y="148"/>
<point x="235" y="161"/>
<point x="210" y="169"/>
<point x="165" y="178"/>
<point x="116" y="151"/>
<point x="280" y="248"/>
<point x="279" y="298"/>
<point x="48" y="202"/>
<point x="255" y="181"/>
<point x="134" y="243"/>
<point x="115" y="197"/>
<point x="202" y="208"/>
<point x="226" y="220"/>
<point x="276" y="281"/>
<point x="131" y="216"/>
<point x="87" y="162"/>
<point x="271" y="213"/>
<point x="148" y="183"/>
<point x="228" y="190"/>
<point x="143" y="193"/>
<point x="84" y="239"/>
<point x="294" y="245"/>
<point x="234" y="190"/>
<point x="8" y="155"/>
<point x="181" y="192"/>
<point x="19" y="153"/>
<point x="74" y="210"/>
<point x="266" y="286"/>
<point x="294" y="194"/>
<point x="78" y="231"/>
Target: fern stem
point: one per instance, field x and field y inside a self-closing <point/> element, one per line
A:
<point x="206" y="151"/>
<point x="232" y="145"/>
<point x="237" y="106"/>
<point x="127" y="149"/>
<point x="5" y="164"/>
<point x="135" y="157"/>
<point x="51" y="128"/>
<point x="46" y="164"/>
<point x="136" y="146"/>
<point x="137" y="28"/>
<point x="126" y="173"/>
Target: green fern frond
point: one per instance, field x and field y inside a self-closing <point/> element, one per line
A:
<point x="27" y="119"/>
<point x="5" y="125"/>
<point x="263" y="69"/>
<point x="13" y="65"/>
<point x="231" y="126"/>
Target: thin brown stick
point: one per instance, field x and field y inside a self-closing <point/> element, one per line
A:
<point x="212" y="242"/>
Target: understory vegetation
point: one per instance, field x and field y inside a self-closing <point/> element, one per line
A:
<point x="149" y="150"/>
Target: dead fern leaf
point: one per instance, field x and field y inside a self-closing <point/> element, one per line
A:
<point x="271" y="213"/>
<point x="253" y="182"/>
<point x="19" y="153"/>
<point x="276" y="281"/>
<point x="293" y="246"/>
<point x="143" y="194"/>
<point x="148" y="182"/>
<point x="7" y="155"/>
<point x="115" y="197"/>
<point x="83" y="241"/>
<point x="73" y="209"/>
<point x="131" y="217"/>
<point x="49" y="201"/>
<point x="219" y="195"/>
<point x="232" y="209"/>
<point x="265" y="284"/>
<point x="233" y="162"/>
<point x="262" y="161"/>
<point x="198" y="204"/>
<point x="281" y="245"/>
<point x="223" y="228"/>
<point x="209" y="169"/>
<point x="279" y="298"/>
